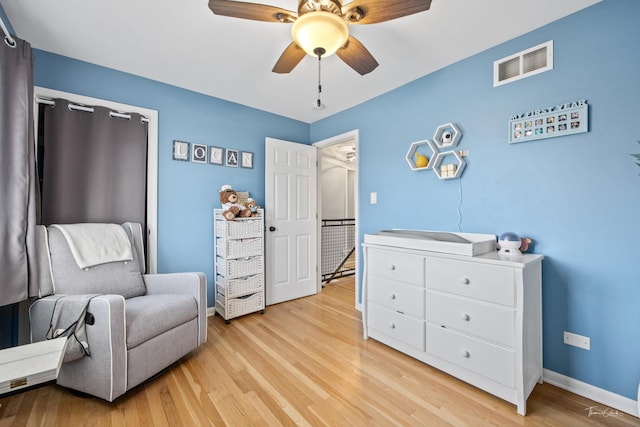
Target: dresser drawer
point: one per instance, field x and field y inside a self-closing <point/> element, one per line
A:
<point x="398" y="326"/>
<point x="396" y="296"/>
<point x="401" y="267"/>
<point x="480" y="281"/>
<point x="486" y="321"/>
<point x="493" y="362"/>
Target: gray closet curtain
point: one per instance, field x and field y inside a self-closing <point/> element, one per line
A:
<point x="94" y="166"/>
<point x="18" y="183"/>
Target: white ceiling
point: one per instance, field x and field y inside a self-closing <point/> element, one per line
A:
<point x="181" y="42"/>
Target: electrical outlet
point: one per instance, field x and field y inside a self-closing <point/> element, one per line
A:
<point x="374" y="198"/>
<point x="577" y="340"/>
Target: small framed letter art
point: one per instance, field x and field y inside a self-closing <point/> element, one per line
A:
<point x="246" y="159"/>
<point x="231" y="158"/>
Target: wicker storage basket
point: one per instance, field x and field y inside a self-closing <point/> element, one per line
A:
<point x="238" y="287"/>
<point x="239" y="248"/>
<point x="243" y="305"/>
<point x="240" y="228"/>
<point x="232" y="268"/>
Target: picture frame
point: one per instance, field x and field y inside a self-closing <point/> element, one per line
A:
<point x="181" y="150"/>
<point x="551" y="122"/>
<point x="231" y="158"/>
<point x="246" y="158"/>
<point x="216" y="155"/>
<point x="199" y="153"/>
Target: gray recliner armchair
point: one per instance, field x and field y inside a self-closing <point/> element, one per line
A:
<point x="135" y="324"/>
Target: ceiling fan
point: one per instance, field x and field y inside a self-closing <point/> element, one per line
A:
<point x="321" y="27"/>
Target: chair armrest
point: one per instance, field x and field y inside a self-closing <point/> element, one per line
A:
<point x="104" y="372"/>
<point x="194" y="284"/>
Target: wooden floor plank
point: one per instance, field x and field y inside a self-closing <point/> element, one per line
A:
<point x="303" y="362"/>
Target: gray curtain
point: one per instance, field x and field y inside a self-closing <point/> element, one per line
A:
<point x="94" y="166"/>
<point x="18" y="183"/>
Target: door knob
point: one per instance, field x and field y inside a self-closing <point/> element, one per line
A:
<point x="272" y="228"/>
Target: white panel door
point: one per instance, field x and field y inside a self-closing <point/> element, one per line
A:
<point x="291" y="220"/>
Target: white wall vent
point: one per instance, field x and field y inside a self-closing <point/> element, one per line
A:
<point x="523" y="64"/>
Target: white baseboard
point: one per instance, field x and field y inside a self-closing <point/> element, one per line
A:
<point x="599" y="395"/>
<point x="211" y="311"/>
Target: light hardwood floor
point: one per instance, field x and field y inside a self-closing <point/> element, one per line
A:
<point x="305" y="363"/>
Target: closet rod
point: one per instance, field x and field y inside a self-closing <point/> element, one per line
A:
<point x="51" y="102"/>
<point x="7" y="36"/>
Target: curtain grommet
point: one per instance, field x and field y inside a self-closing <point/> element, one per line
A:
<point x="10" y="42"/>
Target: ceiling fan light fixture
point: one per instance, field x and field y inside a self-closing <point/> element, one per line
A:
<point x="320" y="30"/>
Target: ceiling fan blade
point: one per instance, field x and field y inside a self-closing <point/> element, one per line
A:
<point x="256" y="12"/>
<point x="356" y="56"/>
<point x="373" y="11"/>
<point x="291" y="56"/>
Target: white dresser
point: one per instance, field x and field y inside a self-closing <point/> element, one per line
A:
<point x="477" y="318"/>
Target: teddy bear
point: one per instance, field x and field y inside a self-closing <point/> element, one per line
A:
<point x="251" y="205"/>
<point x="231" y="207"/>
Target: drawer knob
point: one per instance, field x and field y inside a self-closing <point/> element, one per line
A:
<point x="393" y="267"/>
<point x="465" y="281"/>
<point x="465" y="317"/>
<point x="392" y="325"/>
<point x="392" y="296"/>
<point x="466" y="354"/>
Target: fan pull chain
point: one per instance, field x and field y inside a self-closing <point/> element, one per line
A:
<point x="319" y="83"/>
<point x="319" y="51"/>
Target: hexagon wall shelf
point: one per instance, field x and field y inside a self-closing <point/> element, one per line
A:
<point x="448" y="170"/>
<point x="447" y="135"/>
<point x="413" y="149"/>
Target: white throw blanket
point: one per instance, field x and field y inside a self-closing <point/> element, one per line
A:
<point x="95" y="244"/>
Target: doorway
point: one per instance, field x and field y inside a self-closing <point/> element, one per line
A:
<point x="338" y="208"/>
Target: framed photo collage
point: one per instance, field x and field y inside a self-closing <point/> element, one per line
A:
<point x="559" y="120"/>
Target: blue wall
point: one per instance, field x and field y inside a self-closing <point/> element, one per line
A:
<point x="187" y="192"/>
<point x="577" y="196"/>
<point x="6" y="21"/>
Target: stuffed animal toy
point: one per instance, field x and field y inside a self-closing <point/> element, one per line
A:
<point x="251" y="205"/>
<point x="231" y="207"/>
<point x="525" y="244"/>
